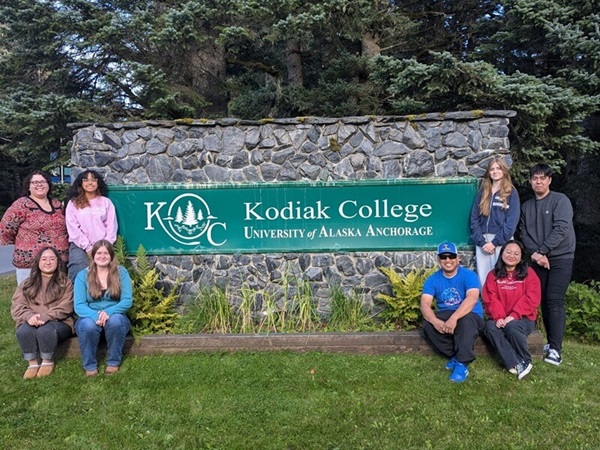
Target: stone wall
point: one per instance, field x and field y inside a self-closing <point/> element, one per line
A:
<point x="271" y="150"/>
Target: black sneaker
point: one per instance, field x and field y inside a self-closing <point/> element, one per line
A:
<point x="553" y="357"/>
<point x="523" y="369"/>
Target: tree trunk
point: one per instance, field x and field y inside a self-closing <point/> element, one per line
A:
<point x="370" y="45"/>
<point x="294" y="63"/>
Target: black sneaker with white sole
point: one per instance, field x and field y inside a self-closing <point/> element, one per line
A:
<point x="553" y="357"/>
<point x="523" y="369"/>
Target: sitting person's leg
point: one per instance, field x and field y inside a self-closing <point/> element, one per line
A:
<point x="89" y="337"/>
<point x="116" y="330"/>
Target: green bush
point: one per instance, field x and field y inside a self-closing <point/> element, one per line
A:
<point x="403" y="308"/>
<point x="152" y="311"/>
<point x="582" y="303"/>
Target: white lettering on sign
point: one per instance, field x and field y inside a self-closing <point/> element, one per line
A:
<point x="292" y="211"/>
<point x="378" y="209"/>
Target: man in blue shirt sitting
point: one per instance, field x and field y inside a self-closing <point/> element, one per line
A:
<point x="458" y="319"/>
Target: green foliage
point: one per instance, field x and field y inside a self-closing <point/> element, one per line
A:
<point x="209" y="312"/>
<point x="404" y="307"/>
<point x="153" y="311"/>
<point x="582" y="304"/>
<point x="348" y="313"/>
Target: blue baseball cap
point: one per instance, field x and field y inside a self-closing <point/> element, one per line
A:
<point x="447" y="247"/>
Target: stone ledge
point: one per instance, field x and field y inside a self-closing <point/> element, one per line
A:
<point x="356" y="343"/>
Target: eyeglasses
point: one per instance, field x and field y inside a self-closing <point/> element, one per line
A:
<point x="447" y="256"/>
<point x="50" y="259"/>
<point x="90" y="180"/>
<point x="38" y="182"/>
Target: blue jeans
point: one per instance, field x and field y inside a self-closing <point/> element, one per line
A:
<point x="89" y="333"/>
<point x="78" y="260"/>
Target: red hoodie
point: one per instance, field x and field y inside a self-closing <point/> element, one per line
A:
<point x="503" y="297"/>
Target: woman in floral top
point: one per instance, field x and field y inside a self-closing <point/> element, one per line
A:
<point x="33" y="222"/>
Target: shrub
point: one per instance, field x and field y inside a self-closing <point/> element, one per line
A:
<point x="152" y="311"/>
<point x="582" y="303"/>
<point x="403" y="308"/>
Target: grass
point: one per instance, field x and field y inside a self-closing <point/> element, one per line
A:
<point x="297" y="401"/>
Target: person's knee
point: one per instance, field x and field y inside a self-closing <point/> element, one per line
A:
<point x="86" y="326"/>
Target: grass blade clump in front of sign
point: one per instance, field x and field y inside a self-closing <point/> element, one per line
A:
<point x="348" y="312"/>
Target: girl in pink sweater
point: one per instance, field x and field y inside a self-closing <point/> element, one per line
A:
<point x="90" y="217"/>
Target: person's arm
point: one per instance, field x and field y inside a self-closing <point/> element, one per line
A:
<point x="111" y="222"/>
<point x="490" y="295"/>
<point x="526" y="238"/>
<point x="511" y="220"/>
<point x="428" y="314"/>
<point x="82" y="308"/>
<point x="562" y="220"/>
<point x="75" y="228"/>
<point x="527" y="304"/>
<point x="14" y="216"/>
<point x="476" y="230"/>
<point x="62" y="308"/>
<point x="126" y="299"/>
<point x="19" y="308"/>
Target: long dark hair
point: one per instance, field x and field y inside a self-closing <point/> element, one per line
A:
<point x="76" y="192"/>
<point x="58" y="280"/>
<point x="27" y="182"/>
<point x="521" y="268"/>
<point x="113" y="282"/>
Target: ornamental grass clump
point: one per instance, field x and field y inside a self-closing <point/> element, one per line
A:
<point x="348" y="312"/>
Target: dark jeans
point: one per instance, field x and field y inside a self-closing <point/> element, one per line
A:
<point x="461" y="344"/>
<point x="42" y="341"/>
<point x="554" y="286"/>
<point x="511" y="341"/>
<point x="78" y="260"/>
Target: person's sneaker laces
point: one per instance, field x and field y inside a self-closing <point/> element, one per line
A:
<point x="553" y="357"/>
<point x="546" y="349"/>
<point x="459" y="373"/>
<point x="523" y="369"/>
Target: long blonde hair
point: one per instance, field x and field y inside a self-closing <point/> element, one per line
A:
<point x="506" y="187"/>
<point x="113" y="282"/>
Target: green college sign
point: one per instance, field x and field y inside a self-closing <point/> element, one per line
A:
<point x="371" y="215"/>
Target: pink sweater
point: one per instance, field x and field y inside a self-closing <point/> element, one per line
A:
<point x="88" y="225"/>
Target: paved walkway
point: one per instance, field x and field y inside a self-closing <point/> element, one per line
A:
<point x="6" y="254"/>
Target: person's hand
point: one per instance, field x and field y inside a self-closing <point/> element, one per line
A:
<point x="102" y="319"/>
<point x="500" y="323"/>
<point x="35" y="321"/>
<point x="439" y="325"/>
<point x="541" y="260"/>
<point x="450" y="325"/>
<point x="508" y="319"/>
<point x="489" y="248"/>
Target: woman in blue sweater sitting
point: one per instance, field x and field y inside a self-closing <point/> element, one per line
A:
<point x="103" y="294"/>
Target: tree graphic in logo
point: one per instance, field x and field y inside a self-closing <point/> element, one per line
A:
<point x="189" y="217"/>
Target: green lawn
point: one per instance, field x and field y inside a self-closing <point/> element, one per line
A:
<point x="296" y="401"/>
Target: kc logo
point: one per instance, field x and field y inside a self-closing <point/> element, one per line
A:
<point x="187" y="219"/>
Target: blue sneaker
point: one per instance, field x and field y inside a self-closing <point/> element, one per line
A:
<point x="460" y="373"/>
<point x="451" y="364"/>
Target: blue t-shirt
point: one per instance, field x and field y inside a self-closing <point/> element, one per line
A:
<point x="449" y="293"/>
